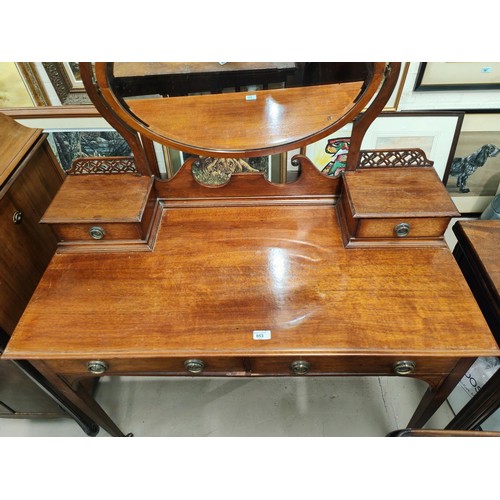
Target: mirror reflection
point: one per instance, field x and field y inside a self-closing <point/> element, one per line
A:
<point x="175" y="79"/>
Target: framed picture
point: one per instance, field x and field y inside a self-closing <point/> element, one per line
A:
<point x="68" y="145"/>
<point x="435" y="133"/>
<point x="72" y="138"/>
<point x="393" y="102"/>
<point x="14" y="91"/>
<point x="437" y="76"/>
<point x="473" y="176"/>
<point x="54" y="83"/>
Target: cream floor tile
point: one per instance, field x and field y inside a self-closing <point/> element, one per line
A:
<point x="309" y="406"/>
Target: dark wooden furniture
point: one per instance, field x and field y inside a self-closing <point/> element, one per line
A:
<point x="253" y="279"/>
<point x="478" y="255"/>
<point x="29" y="178"/>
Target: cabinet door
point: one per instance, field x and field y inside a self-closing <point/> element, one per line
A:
<point x="27" y="246"/>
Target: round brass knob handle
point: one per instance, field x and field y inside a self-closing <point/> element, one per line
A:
<point x="194" y="365"/>
<point x="17" y="217"/>
<point x="97" y="232"/>
<point x="300" y="367"/>
<point x="402" y="230"/>
<point x="404" y="367"/>
<point x="97" y="367"/>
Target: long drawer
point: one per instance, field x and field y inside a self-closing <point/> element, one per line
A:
<point x="255" y="366"/>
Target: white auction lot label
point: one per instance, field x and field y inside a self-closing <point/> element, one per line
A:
<point x="262" y="334"/>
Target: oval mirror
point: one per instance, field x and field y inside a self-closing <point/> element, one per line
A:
<point x="237" y="109"/>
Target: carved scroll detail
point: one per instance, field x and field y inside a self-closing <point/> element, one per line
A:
<point x="103" y="165"/>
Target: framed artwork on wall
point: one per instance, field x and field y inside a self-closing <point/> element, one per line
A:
<point x="445" y="76"/>
<point x="14" y="91"/>
<point x="68" y="145"/>
<point x="54" y="83"/>
<point x="435" y="133"/>
<point x="473" y="176"/>
<point x="72" y="138"/>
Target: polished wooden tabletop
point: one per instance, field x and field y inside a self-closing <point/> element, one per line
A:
<point x="218" y="274"/>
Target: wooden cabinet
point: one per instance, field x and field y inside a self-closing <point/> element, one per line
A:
<point x="30" y="177"/>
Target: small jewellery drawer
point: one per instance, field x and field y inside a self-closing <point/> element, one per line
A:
<point x="188" y="365"/>
<point x="390" y="207"/>
<point x="356" y="365"/>
<point x="402" y="228"/>
<point x="105" y="213"/>
<point x="98" y="232"/>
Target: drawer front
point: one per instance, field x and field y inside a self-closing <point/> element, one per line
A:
<point x="421" y="227"/>
<point x="264" y="366"/>
<point x="355" y="365"/>
<point x="189" y="365"/>
<point x="98" y="232"/>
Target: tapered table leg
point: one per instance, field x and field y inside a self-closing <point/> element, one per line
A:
<point x="438" y="392"/>
<point x="81" y="399"/>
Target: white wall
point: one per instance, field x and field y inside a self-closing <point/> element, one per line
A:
<point x="444" y="100"/>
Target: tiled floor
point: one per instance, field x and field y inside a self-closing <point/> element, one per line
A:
<point x="310" y="406"/>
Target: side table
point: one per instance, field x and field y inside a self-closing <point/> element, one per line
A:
<point x="478" y="255"/>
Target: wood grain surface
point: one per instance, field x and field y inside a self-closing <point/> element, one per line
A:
<point x="389" y="192"/>
<point x="100" y="198"/>
<point x="217" y="274"/>
<point x="15" y="141"/>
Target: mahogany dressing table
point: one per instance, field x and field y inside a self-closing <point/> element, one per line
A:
<point x="324" y="276"/>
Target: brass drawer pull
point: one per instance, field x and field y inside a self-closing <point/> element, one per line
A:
<point x="402" y="230"/>
<point x="404" y="367"/>
<point x="194" y="365"/>
<point x="300" y="367"/>
<point x="97" y="367"/>
<point x="17" y="217"/>
<point x="97" y="232"/>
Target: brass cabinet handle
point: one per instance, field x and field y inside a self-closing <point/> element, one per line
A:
<point x="402" y="230"/>
<point x="194" y="365"/>
<point x="97" y="367"/>
<point x="97" y="232"/>
<point x="404" y="367"/>
<point x="300" y="367"/>
<point x="17" y="217"/>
